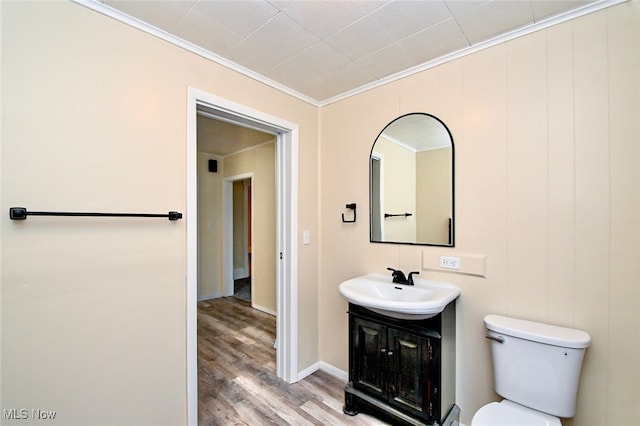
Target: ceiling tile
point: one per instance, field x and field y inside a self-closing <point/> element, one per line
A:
<point x="494" y="18"/>
<point x="400" y="19"/>
<point x="200" y="31"/>
<point x="384" y="62"/>
<point x="435" y="41"/>
<point x="458" y="7"/>
<point x="360" y="39"/>
<point x="254" y="57"/>
<point x="370" y="6"/>
<point x="242" y="17"/>
<point x="165" y="15"/>
<point x="283" y="37"/>
<point x="314" y="62"/>
<point x="325" y="48"/>
<point x="338" y="81"/>
<point x="545" y="9"/>
<point x="323" y="18"/>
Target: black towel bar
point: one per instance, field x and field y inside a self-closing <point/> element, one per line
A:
<point x="21" y="213"/>
<point x="386" y="215"/>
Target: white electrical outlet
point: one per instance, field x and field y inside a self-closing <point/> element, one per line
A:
<point x="450" y="262"/>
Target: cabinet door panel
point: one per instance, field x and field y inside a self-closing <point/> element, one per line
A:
<point x="411" y="371"/>
<point x="370" y="356"/>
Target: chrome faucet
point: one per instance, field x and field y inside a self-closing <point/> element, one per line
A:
<point x="399" y="277"/>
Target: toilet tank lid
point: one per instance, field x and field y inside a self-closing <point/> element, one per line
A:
<point x="538" y="332"/>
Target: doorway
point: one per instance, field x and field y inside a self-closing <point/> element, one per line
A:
<point x="242" y="239"/>
<point x="286" y="252"/>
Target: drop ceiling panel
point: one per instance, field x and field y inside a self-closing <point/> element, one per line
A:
<point x="202" y="32"/>
<point x="164" y="16"/>
<point x="323" y="18"/>
<point x="360" y="39"/>
<point x="401" y="19"/>
<point x="323" y="49"/>
<point x="494" y="18"/>
<point x="436" y="41"/>
<point x="242" y="17"/>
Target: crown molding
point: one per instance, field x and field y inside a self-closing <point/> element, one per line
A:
<point x="170" y="38"/>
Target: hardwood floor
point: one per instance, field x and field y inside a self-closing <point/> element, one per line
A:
<point x="237" y="383"/>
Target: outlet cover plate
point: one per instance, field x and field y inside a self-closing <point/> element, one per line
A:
<point x="450" y="262"/>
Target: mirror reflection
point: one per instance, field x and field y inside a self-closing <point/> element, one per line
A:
<point x="411" y="182"/>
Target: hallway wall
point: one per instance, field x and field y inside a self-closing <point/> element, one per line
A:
<point x="94" y="118"/>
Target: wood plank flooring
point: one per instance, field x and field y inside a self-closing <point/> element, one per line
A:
<point x="237" y="383"/>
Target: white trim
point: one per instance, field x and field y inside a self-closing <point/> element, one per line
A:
<point x="204" y="297"/>
<point x="191" y="216"/>
<point x="546" y="23"/>
<point x="380" y="158"/>
<point x="309" y="370"/>
<point x="266" y="311"/>
<point x="287" y="234"/>
<point x="287" y="261"/>
<point x="334" y="371"/>
<point x="107" y="10"/>
<point x="240" y="273"/>
<point x="327" y="368"/>
<point x="240" y="151"/>
<point x="96" y="6"/>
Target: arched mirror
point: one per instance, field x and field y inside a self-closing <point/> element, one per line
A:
<point x="411" y="182"/>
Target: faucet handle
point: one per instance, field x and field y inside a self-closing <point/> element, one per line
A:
<point x="398" y="276"/>
<point x="410" y="278"/>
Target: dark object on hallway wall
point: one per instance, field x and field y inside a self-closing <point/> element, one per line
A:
<point x="213" y="166"/>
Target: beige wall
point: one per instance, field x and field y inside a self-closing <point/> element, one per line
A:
<point x="261" y="162"/>
<point x="398" y="173"/>
<point x="546" y="133"/>
<point x="433" y="195"/>
<point x="94" y="118"/>
<point x="210" y="235"/>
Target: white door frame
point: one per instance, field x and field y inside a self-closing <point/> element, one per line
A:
<point x="286" y="234"/>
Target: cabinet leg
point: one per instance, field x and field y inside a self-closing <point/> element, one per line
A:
<point x="350" y="404"/>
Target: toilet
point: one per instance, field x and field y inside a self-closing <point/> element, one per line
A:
<point x="536" y="369"/>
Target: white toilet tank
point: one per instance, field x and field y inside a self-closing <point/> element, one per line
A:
<point x="537" y="365"/>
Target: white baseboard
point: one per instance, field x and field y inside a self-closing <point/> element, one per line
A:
<point x="308" y="371"/>
<point x="334" y="371"/>
<point x="263" y="309"/>
<point x="327" y="368"/>
<point x="239" y="273"/>
<point x="204" y="297"/>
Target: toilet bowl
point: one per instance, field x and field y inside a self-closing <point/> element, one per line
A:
<point x="536" y="369"/>
<point x="507" y="413"/>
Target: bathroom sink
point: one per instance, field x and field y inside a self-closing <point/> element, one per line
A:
<point x="376" y="292"/>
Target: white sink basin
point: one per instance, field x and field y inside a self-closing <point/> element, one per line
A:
<point x="422" y="300"/>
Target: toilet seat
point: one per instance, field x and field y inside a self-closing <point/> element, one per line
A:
<point x="507" y="413"/>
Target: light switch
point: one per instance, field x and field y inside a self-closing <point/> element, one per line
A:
<point x="306" y="237"/>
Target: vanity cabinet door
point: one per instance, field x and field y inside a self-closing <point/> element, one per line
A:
<point x="413" y="374"/>
<point x="369" y="356"/>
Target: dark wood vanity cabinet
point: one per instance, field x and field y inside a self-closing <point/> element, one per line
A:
<point x="404" y="369"/>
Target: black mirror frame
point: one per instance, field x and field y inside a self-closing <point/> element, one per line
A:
<point x="453" y="187"/>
